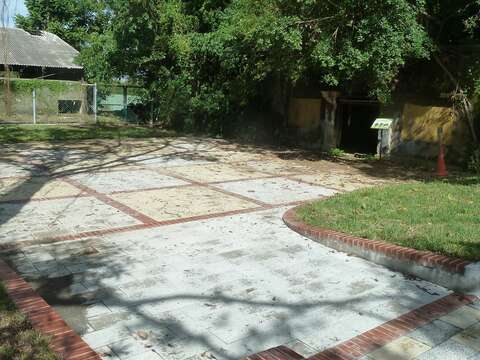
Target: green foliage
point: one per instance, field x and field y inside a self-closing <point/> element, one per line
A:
<point x="26" y="86"/>
<point x="71" y="20"/>
<point x="336" y="152"/>
<point x="454" y="27"/>
<point x="204" y="61"/>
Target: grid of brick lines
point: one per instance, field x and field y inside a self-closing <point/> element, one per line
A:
<point x="44" y="318"/>
<point x="67" y="343"/>
<point x="146" y="221"/>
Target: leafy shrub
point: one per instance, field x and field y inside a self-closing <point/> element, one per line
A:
<point x="336" y="152"/>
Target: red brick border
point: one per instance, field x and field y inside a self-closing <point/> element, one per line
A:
<point x="424" y="258"/>
<point x="362" y="344"/>
<point x="217" y="189"/>
<point x="109" y="201"/>
<point x="44" y="318"/>
<point x="278" y="353"/>
<point x="377" y="337"/>
<point x="94" y="233"/>
<point x="146" y="221"/>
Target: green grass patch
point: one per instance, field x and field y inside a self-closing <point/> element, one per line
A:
<point x="443" y="217"/>
<point x="27" y="133"/>
<point x="18" y="341"/>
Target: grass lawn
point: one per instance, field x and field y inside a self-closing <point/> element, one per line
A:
<point x="25" y="133"/>
<point x="439" y="216"/>
<point x="17" y="339"/>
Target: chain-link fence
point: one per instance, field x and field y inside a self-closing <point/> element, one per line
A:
<point x="119" y="102"/>
<point x="27" y="101"/>
<point x="34" y="101"/>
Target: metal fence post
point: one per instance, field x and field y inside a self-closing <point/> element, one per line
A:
<point x="125" y="102"/>
<point x="95" y="102"/>
<point x="34" y="105"/>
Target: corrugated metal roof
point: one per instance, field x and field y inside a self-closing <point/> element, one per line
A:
<point x="18" y="47"/>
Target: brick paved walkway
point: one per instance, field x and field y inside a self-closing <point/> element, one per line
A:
<point x="175" y="249"/>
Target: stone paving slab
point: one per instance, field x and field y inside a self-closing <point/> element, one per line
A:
<point x="216" y="172"/>
<point x="470" y="337"/>
<point x="276" y="167"/>
<point x="463" y="317"/>
<point x="218" y="288"/>
<point x="450" y="350"/>
<point x="118" y="181"/>
<point x="276" y="190"/>
<point x="41" y="219"/>
<point x="403" y="348"/>
<point x="152" y="160"/>
<point x="18" y="169"/>
<point x="177" y="203"/>
<point x="340" y="182"/>
<point x="12" y="189"/>
<point x="435" y="333"/>
<point x="211" y="292"/>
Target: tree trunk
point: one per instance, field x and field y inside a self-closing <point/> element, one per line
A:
<point x="466" y="106"/>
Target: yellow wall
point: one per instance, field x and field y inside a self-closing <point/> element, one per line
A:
<point x="304" y="113"/>
<point x="420" y="123"/>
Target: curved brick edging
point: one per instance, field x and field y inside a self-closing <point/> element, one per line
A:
<point x="375" y="338"/>
<point x="453" y="273"/>
<point x="360" y="345"/>
<point x="64" y="341"/>
<point x="277" y="353"/>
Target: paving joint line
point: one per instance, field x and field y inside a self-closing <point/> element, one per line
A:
<point x="190" y="183"/>
<point x="111" y="202"/>
<point x="289" y="176"/>
<point x="225" y="192"/>
<point x="124" y="229"/>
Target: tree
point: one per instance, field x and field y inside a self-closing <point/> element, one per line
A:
<point x="454" y="27"/>
<point x="203" y="61"/>
<point x="72" y="20"/>
<point x="203" y="58"/>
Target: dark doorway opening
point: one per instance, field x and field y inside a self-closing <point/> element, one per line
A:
<point x="356" y="119"/>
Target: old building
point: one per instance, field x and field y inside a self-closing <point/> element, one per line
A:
<point x="41" y="81"/>
<point x="329" y="119"/>
<point x="43" y="56"/>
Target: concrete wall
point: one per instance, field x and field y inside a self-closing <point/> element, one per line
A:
<point x="313" y="120"/>
<point x="416" y="132"/>
<point x="305" y="114"/>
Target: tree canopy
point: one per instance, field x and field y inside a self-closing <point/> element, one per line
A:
<point x="202" y="60"/>
<point x="72" y="20"/>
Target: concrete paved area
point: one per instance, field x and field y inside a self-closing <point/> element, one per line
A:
<point x="175" y="249"/>
<point x="451" y="337"/>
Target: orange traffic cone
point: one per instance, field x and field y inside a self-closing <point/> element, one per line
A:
<point x="441" y="167"/>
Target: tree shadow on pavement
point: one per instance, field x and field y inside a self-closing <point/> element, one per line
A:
<point x="82" y="278"/>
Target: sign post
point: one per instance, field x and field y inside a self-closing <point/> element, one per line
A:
<point x="381" y="124"/>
